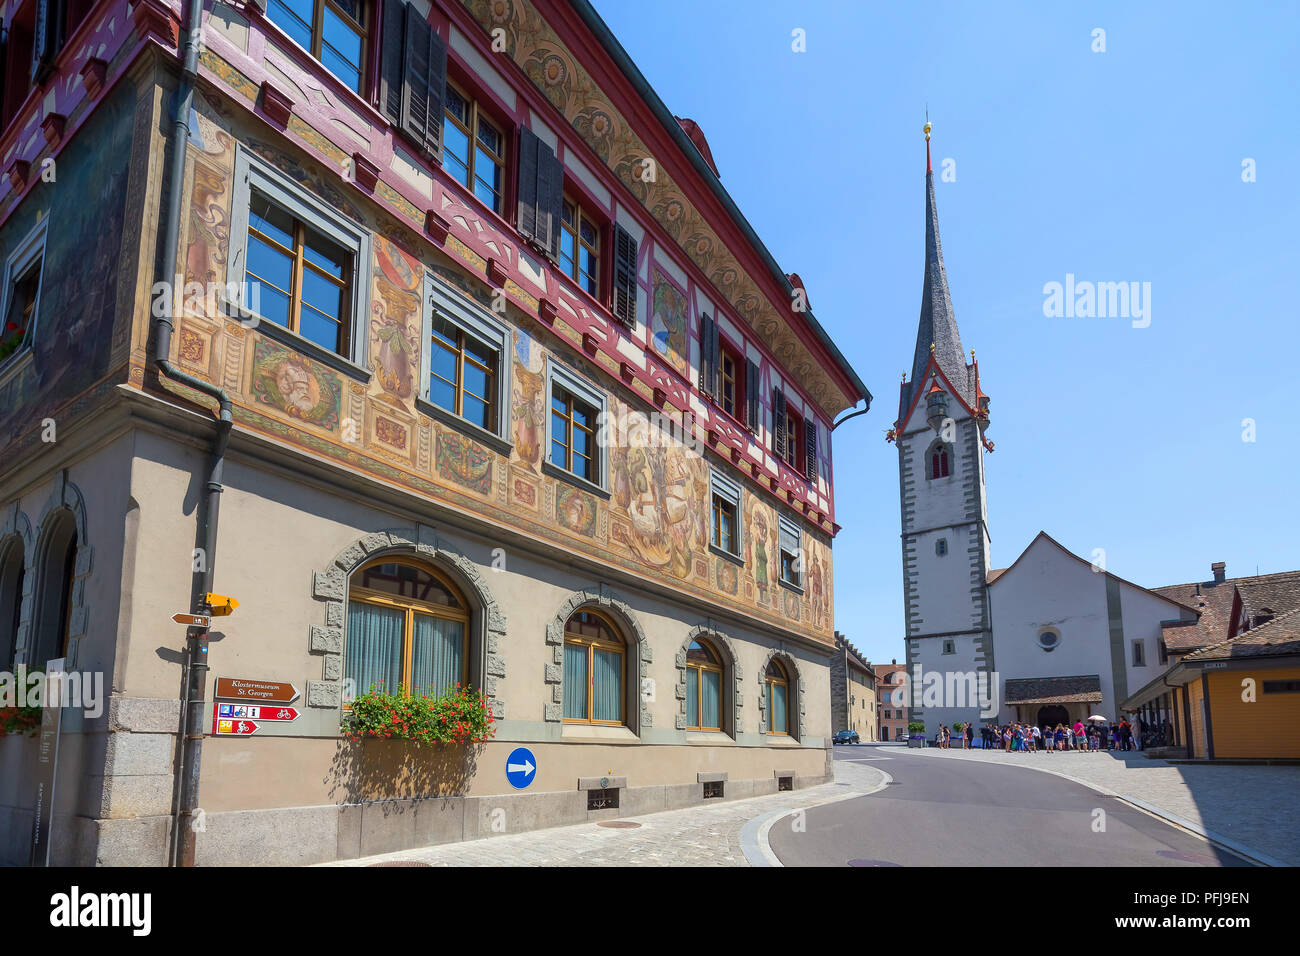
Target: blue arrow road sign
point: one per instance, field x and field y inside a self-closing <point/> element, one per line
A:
<point x="521" y="766"/>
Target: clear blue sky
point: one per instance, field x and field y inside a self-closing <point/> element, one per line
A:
<point x="1117" y="166"/>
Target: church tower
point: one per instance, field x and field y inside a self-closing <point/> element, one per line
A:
<point x="942" y="416"/>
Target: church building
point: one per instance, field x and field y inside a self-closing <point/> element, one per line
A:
<point x="1050" y="638"/>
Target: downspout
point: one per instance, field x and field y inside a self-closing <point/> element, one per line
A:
<point x="196" y="658"/>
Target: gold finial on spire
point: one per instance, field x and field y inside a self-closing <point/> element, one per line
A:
<point x="972" y="355"/>
<point x="904" y="378"/>
<point x="931" y="348"/>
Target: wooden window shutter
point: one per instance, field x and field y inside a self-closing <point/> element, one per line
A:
<point x="778" y="423"/>
<point x="541" y="192"/>
<point x="46" y="38"/>
<point x="810" y="447"/>
<point x="624" y="276"/>
<point x="751" y="395"/>
<point x="424" y="79"/>
<point x="527" y="212"/>
<point x="391" y="74"/>
<point x="710" y="356"/>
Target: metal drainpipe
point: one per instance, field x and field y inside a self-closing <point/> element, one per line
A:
<point x="196" y="662"/>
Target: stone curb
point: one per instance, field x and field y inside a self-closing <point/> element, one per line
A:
<point x="753" y="836"/>
<point x="1241" y="849"/>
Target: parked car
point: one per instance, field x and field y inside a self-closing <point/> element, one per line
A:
<point x="845" y="737"/>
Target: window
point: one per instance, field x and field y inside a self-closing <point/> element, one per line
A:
<point x="941" y="547"/>
<point x="950" y="647"/>
<point x="789" y="536"/>
<point x="712" y="789"/>
<point x="304" y="279"/>
<point x="703" y="687"/>
<point x="407" y="626"/>
<point x="57" y="565"/>
<point x="725" y="523"/>
<point x="1282" y="686"/>
<point x="412" y="72"/>
<point x="732" y="392"/>
<point x="938" y="461"/>
<point x="580" y="247"/>
<point x="473" y="149"/>
<point x="777" y="686"/>
<point x="333" y="31"/>
<point x="466" y="380"/>
<point x="1049" y="640"/>
<point x="297" y="260"/>
<point x="1139" y="654"/>
<point x="573" y="427"/>
<point x="461" y="374"/>
<point x="11" y="599"/>
<point x="23" y="293"/>
<point x="594" y="666"/>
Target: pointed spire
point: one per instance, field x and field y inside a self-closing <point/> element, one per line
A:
<point x="937" y="331"/>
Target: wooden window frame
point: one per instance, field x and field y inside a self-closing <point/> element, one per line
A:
<point x="411" y="606"/>
<point x="560" y="381"/>
<point x="701" y="668"/>
<point x="570" y="400"/>
<point x="582" y="215"/>
<point x="476" y="113"/>
<point x="458" y="386"/>
<point x="723" y="490"/>
<point x="592" y="643"/>
<point x="768" y="683"/>
<point x="298" y="270"/>
<point x="29" y="254"/>
<point x="366" y="31"/>
<point x="722" y="509"/>
<point x="726" y="354"/>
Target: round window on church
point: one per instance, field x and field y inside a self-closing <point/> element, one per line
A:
<point x="1048" y="640"/>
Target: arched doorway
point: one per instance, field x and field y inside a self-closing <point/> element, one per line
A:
<point x="1052" y="714"/>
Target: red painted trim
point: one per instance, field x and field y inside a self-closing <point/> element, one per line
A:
<point x="916" y="397"/>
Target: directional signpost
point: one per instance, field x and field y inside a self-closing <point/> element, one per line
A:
<point x="192" y="620"/>
<point x="521" y="766"/>
<point x="242" y="720"/>
<point x="260" y="691"/>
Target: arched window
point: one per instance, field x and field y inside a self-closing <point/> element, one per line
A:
<point x="703" y="687"/>
<point x="407" y="626"/>
<point x="778" y="698"/>
<point x="56" y="566"/>
<point x="938" y="460"/>
<point x="11" y="599"/>
<point x="594" y="667"/>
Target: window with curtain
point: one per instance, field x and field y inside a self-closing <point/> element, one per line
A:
<point x="703" y="687"/>
<point x="594" y="667"/>
<point x="11" y="599"/>
<point x="407" y="627"/>
<point x="778" y="698"/>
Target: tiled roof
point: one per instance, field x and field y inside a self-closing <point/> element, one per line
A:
<point x="1054" y="690"/>
<point x="1279" y="636"/>
<point x="1269" y="594"/>
<point x="994" y="575"/>
<point x="1214" y="602"/>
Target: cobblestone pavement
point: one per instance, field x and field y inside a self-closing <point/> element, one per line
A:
<point x="705" y="835"/>
<point x="1252" y="805"/>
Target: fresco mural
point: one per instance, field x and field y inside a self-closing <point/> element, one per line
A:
<point x="655" y="523"/>
<point x="83" y="251"/>
<point x="296" y="385"/>
<point x="531" y="42"/>
<point x="395" y="319"/>
<point x="661" y="486"/>
<point x="528" y="402"/>
<point x="465" y="462"/>
<point x="668" y="324"/>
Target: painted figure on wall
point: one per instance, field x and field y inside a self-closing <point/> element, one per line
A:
<point x="668" y="323"/>
<point x="528" y="402"/>
<point x="816" y="597"/>
<point x="660" y="484"/>
<point x="296" y="385"/>
<point x="760" y="553"/>
<point x="395" y="318"/>
<point x="464" y="461"/>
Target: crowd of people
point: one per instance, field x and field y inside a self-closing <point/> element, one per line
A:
<point x="1030" y="738"/>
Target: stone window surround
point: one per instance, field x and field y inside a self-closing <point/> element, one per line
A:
<point x="488" y="623"/>
<point x="29" y="250"/>
<point x="65" y="497"/>
<point x="797" y="683"/>
<point x="730" y="665"/>
<point x="640" y="657"/>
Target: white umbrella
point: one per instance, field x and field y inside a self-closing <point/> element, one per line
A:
<point x="1098" y="717"/>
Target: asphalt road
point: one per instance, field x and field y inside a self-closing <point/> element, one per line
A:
<point x="941" y="812"/>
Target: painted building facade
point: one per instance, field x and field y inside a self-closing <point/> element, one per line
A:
<point x="487" y="329"/>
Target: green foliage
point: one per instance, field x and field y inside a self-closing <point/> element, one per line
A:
<point x="459" y="716"/>
<point x="916" y="727"/>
